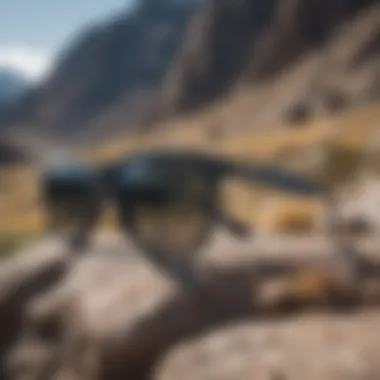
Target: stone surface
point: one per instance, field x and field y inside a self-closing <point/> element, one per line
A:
<point x="111" y="315"/>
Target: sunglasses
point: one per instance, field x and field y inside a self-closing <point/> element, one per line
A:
<point x="168" y="203"/>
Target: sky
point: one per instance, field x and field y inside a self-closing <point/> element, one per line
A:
<point x="32" y="32"/>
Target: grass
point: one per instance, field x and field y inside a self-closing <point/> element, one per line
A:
<point x="12" y="241"/>
<point x="20" y="212"/>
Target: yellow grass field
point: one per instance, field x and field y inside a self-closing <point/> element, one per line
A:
<point x="20" y="211"/>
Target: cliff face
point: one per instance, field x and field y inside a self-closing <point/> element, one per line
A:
<point x="254" y="41"/>
<point x="216" y="50"/>
<point x="298" y="27"/>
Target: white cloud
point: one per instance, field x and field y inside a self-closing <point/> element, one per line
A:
<point x="34" y="64"/>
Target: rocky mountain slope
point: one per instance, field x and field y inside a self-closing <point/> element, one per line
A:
<point x="12" y="86"/>
<point x="294" y="54"/>
<point x="297" y="58"/>
<point x="116" y="63"/>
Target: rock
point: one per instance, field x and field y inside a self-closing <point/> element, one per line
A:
<point x="112" y="316"/>
<point x="112" y="319"/>
<point x="21" y="278"/>
<point x="315" y="347"/>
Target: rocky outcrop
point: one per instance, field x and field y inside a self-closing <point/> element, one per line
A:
<point x="296" y="56"/>
<point x="106" y="316"/>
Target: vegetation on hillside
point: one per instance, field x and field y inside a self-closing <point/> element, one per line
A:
<point x="293" y="147"/>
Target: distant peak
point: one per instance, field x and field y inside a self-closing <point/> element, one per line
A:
<point x="30" y="63"/>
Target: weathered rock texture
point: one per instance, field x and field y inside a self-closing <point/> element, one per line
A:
<point x="300" y="58"/>
<point x="112" y="316"/>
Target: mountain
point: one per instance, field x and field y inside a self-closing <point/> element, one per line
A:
<point x="11" y="153"/>
<point x="297" y="59"/>
<point x="116" y="63"/>
<point x="292" y="54"/>
<point x="12" y="85"/>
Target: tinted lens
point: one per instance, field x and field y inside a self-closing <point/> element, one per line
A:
<point x="166" y="208"/>
<point x="171" y="226"/>
<point x="66" y="212"/>
<point x="165" y="220"/>
<point x="70" y="202"/>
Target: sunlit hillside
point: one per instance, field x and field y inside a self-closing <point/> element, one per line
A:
<point x="287" y="145"/>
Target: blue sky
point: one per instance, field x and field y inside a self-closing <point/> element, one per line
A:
<point x="33" y="31"/>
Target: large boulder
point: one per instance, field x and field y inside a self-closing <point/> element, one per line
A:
<point x="110" y="315"/>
